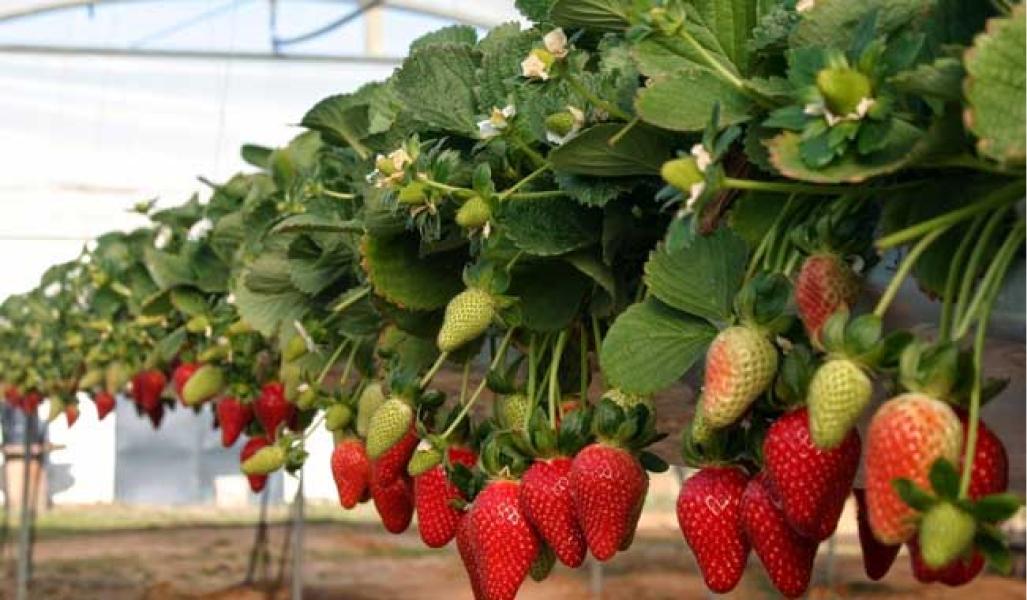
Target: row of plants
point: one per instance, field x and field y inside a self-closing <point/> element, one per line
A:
<point x="568" y="219"/>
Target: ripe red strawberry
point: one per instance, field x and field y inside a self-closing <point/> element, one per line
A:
<point x="608" y="484"/>
<point x="504" y="540"/>
<point x="272" y="409"/>
<point x="181" y="375"/>
<point x="30" y="402"/>
<point x="990" y="475"/>
<point x="812" y="484"/>
<point x="960" y="572"/>
<point x="740" y="364"/>
<point x="877" y="557"/>
<point x="709" y="512"/>
<point x="13" y="397"/>
<point x="465" y="545"/>
<point x="434" y="493"/>
<point x="635" y="516"/>
<point x="394" y="501"/>
<point x="156" y="415"/>
<point x="393" y="464"/>
<point x="147" y="387"/>
<point x="104" y="403"/>
<point x="233" y="417"/>
<point x="351" y="471"/>
<point x="71" y="413"/>
<point x="906" y="436"/>
<point x="787" y="557"/>
<point x="257" y="482"/>
<point x="825" y="285"/>
<point x="549" y="505"/>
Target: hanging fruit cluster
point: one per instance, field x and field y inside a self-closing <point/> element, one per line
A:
<point x="569" y="218"/>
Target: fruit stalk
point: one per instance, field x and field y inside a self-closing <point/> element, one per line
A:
<point x="481" y="386"/>
<point x="907" y="265"/>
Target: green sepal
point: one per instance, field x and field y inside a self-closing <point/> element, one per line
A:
<point x="996" y="508"/>
<point x="990" y="542"/>
<point x="916" y="498"/>
<point x="652" y="463"/>
<point x="944" y="479"/>
<point x="763" y="300"/>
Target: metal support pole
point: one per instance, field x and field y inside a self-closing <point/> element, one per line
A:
<point x="26" y="515"/>
<point x="297" y="542"/>
<point x="595" y="579"/>
<point x="259" y="552"/>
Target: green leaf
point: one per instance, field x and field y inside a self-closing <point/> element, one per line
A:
<point x="754" y="213"/>
<point x="534" y="10"/>
<point x="833" y="23"/>
<point x="313" y="268"/>
<point x="454" y="34"/>
<point x="547" y="227"/>
<point x="168" y="346"/>
<point x="651" y="345"/>
<point x="916" y="498"/>
<point x="402" y="276"/>
<point x="256" y="155"/>
<point x="684" y="101"/>
<point x="593" y="191"/>
<point x="266" y="311"/>
<point x="641" y="151"/>
<point x="549" y="294"/>
<point x="661" y="55"/>
<point x="168" y="270"/>
<point x="595" y="270"/>
<point x="595" y="15"/>
<point x="786" y="156"/>
<point x="437" y="84"/>
<point x="997" y="508"/>
<point x="317" y="222"/>
<point x="341" y="121"/>
<point x="731" y="21"/>
<point x="701" y="278"/>
<point x="502" y="51"/>
<point x="995" y="88"/>
<point x="940" y="80"/>
<point x="944" y="479"/>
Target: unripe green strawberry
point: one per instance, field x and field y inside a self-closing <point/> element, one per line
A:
<point x="473" y="213"/>
<point x="239" y="327"/>
<point x="91" y="379"/>
<point x="842" y="89"/>
<point x="294" y="348"/>
<point x="306" y="396"/>
<point x="423" y="460"/>
<point x="204" y="384"/>
<point x="560" y="123"/>
<point x="740" y="365"/>
<point x="338" y="417"/>
<point x="266" y="460"/>
<point x="116" y="377"/>
<point x="627" y="400"/>
<point x="837" y="396"/>
<point x="388" y="425"/>
<point x="945" y="533"/>
<point x="511" y="410"/>
<point x="682" y="173"/>
<point x="467" y="316"/>
<point x="412" y="193"/>
<point x="197" y="324"/>
<point x="213" y="353"/>
<point x="370" y="399"/>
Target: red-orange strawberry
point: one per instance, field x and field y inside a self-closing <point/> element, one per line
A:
<point x="434" y="495"/>
<point x="709" y="510"/>
<point x="877" y="557"/>
<point x="104" y="403"/>
<point x="549" y="505"/>
<point x="787" y="557"/>
<point x="608" y="485"/>
<point x="147" y="387"/>
<point x="257" y="482"/>
<point x="989" y="475"/>
<point x="825" y="285"/>
<point x="351" y="470"/>
<point x="71" y="414"/>
<point x="272" y="409"/>
<point x="181" y="376"/>
<point x="812" y="484"/>
<point x="504" y="540"/>
<point x="740" y="365"/>
<point x="233" y="417"/>
<point x="394" y="501"/>
<point x="465" y="545"/>
<point x="906" y="436"/>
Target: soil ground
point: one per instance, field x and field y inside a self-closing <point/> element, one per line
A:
<point x="124" y="553"/>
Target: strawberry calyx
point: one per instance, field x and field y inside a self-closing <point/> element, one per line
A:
<point x="952" y="526"/>
<point x="762" y="304"/>
<point x="937" y="369"/>
<point x="860" y="339"/>
<point x="632" y="429"/>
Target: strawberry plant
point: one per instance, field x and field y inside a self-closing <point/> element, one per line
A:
<point x="573" y="216"/>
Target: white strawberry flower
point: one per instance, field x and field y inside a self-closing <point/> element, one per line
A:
<point x="819" y="109"/>
<point x="497" y="122"/>
<point x="702" y="156"/>
<point x="199" y="230"/>
<point x="536" y="65"/>
<point x="804" y="5"/>
<point x="163" y="237"/>
<point x="556" y="42"/>
<point x="52" y="290"/>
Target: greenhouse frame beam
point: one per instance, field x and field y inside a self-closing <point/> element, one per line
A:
<point x="199" y="55"/>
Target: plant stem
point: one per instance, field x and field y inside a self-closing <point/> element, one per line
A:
<point x="714" y="64"/>
<point x="616" y="138"/>
<point x="969" y="162"/>
<point x="532" y="367"/>
<point x="992" y="278"/>
<point x="973" y="419"/>
<point x="768" y="237"/>
<point x="525" y="180"/>
<point x="532" y="154"/>
<point x="433" y="370"/>
<point x="348" y="302"/>
<point x="1004" y="195"/>
<point x="449" y="189"/>
<point x="465" y="377"/>
<point x="587" y="94"/>
<point x="554" y="379"/>
<point x="782" y="187"/>
<point x="481" y="386"/>
<point x="538" y="195"/>
<point x="331" y="360"/>
<point x="904" y="269"/>
<point x="973" y="266"/>
<point x="584" y="371"/>
<point x="948" y="300"/>
<point x="349" y="364"/>
<point x="337" y="195"/>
